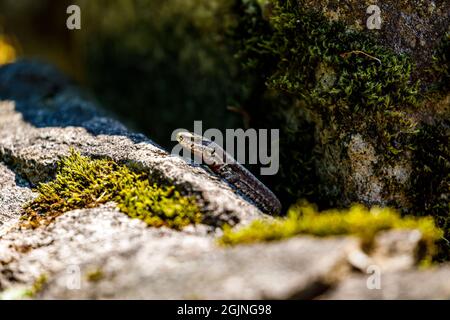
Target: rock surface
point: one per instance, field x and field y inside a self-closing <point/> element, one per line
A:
<point x="14" y="191"/>
<point x="413" y="27"/>
<point x="102" y="253"/>
<point x="147" y="263"/>
<point x="40" y="122"/>
<point x="431" y="284"/>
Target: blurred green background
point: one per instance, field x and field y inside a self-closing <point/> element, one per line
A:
<point x="158" y="65"/>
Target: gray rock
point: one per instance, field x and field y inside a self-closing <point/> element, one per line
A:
<point x="83" y="237"/>
<point x="148" y="263"/>
<point x="398" y="250"/>
<point x="412" y="284"/>
<point x="413" y="27"/>
<point x="35" y="131"/>
<point x="280" y="270"/>
<point x="14" y="193"/>
<point x="393" y="250"/>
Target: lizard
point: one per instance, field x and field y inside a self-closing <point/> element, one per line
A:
<point x="227" y="168"/>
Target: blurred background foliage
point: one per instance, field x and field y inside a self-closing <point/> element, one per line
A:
<point x="38" y="29"/>
<point x="163" y="63"/>
<point x="158" y="65"/>
<point x="7" y="50"/>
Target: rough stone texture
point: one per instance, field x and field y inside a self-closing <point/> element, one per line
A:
<point x="431" y="284"/>
<point x="14" y="192"/>
<point x="45" y="116"/>
<point x="275" y="271"/>
<point x="87" y="237"/>
<point x="148" y="263"/>
<point x="362" y="158"/>
<point x="351" y="166"/>
<point x="102" y="253"/>
<point x="412" y="27"/>
<point x="397" y="250"/>
<point x="393" y="250"/>
<point x="368" y="175"/>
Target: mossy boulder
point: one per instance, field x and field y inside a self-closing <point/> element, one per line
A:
<point x="413" y="27"/>
<point x="364" y="114"/>
<point x="42" y="120"/>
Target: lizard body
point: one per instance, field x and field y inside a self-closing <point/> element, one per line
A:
<point x="224" y="165"/>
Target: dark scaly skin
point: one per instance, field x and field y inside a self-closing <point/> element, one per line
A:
<point x="231" y="171"/>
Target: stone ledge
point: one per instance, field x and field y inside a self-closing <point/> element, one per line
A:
<point x="35" y="131"/>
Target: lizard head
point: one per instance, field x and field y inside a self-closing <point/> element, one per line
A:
<point x="200" y="146"/>
<point x="192" y="141"/>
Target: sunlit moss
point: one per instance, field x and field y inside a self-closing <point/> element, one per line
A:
<point x="37" y="286"/>
<point x="304" y="218"/>
<point x="85" y="183"/>
<point x="95" y="275"/>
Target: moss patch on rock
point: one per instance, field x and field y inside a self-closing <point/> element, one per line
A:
<point x="357" y="124"/>
<point x="304" y="218"/>
<point x="95" y="275"/>
<point x="82" y="182"/>
<point x="357" y="73"/>
<point x="342" y="79"/>
<point x="37" y="286"/>
<point x="316" y="80"/>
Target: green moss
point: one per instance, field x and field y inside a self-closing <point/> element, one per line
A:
<point x="25" y="292"/>
<point x="95" y="275"/>
<point x="303" y="218"/>
<point x="318" y="81"/>
<point x="368" y="75"/>
<point x="37" y="286"/>
<point x="85" y="183"/>
<point x="322" y="82"/>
